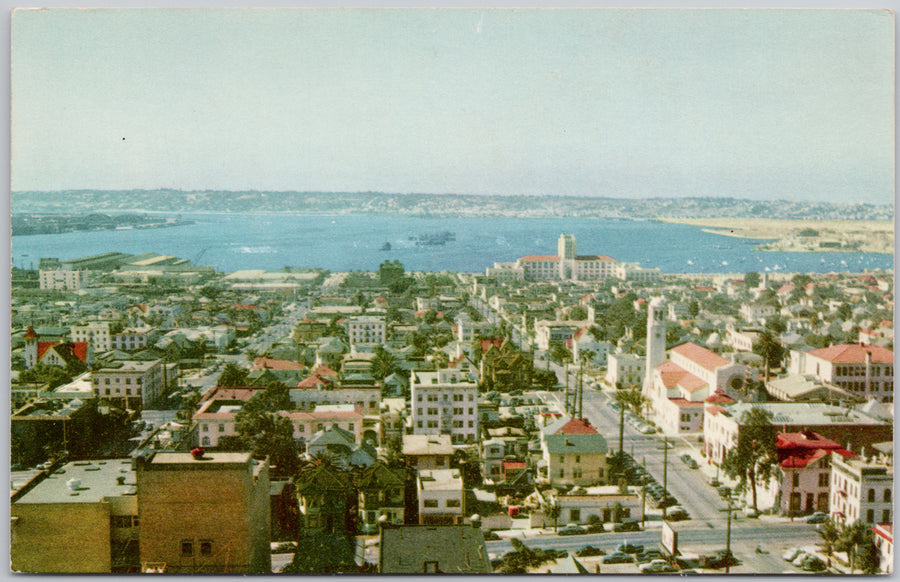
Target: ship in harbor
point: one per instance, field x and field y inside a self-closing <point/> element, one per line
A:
<point x="433" y="239"/>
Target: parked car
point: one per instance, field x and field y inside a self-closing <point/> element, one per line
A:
<point x="817" y="517"/>
<point x="676" y="513"/>
<point x="657" y="567"/>
<point x="813" y="564"/>
<point x="618" y="558"/>
<point x="648" y="556"/>
<point x="627" y="548"/>
<point x="790" y="554"/>
<point x="571" y="530"/>
<point x="595" y="528"/>
<point x="588" y="551"/>
<point x="798" y="561"/>
<point x="628" y="525"/>
<point x="693" y="464"/>
<point x="685" y="458"/>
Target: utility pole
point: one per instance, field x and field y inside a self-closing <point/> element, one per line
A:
<point x="580" y="392"/>
<point x="728" y="536"/>
<point x="665" y="502"/>
<point x="643" y="489"/>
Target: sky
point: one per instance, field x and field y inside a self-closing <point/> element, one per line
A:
<point x="759" y="104"/>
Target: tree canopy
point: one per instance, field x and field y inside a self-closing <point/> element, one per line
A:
<point x="755" y="456"/>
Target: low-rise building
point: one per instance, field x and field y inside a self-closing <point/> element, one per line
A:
<point x="80" y="519"/>
<point x="433" y="549"/>
<point x="864" y="370"/>
<point x="804" y="482"/>
<point x="884" y="541"/>
<point x="427" y="451"/>
<point x="134" y="384"/>
<point x="573" y="453"/>
<point x="205" y="513"/>
<point x="442" y="499"/>
<point x="625" y="370"/>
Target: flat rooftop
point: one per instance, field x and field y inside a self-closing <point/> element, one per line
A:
<point x="210" y="458"/>
<point x="98" y="480"/>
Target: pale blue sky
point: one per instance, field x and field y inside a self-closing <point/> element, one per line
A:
<point x="764" y="104"/>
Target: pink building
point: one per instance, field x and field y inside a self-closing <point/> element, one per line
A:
<point x="805" y="479"/>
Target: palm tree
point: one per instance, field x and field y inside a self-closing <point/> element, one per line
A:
<point x="854" y="539"/>
<point x="582" y="356"/>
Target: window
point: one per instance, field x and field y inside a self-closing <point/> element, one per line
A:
<point x="562" y="473"/>
<point x="870" y="516"/>
<point x="430" y="503"/>
<point x="795" y="479"/>
<point x="885" y="516"/>
<point x="187" y="548"/>
<point x="221" y="428"/>
<point x="453" y="503"/>
<point x="887" y="495"/>
<point x="823" y="479"/>
<point x="871" y="497"/>
<point x="205" y="548"/>
<point x="350" y="426"/>
<point x="577" y="458"/>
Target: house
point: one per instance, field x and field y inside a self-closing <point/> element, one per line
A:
<point x="84" y="520"/>
<point x="606" y="503"/>
<point x="382" y="491"/>
<point x="442" y="499"/>
<point x="573" y="453"/>
<point x="427" y="451"/>
<point x="503" y="367"/>
<point x="624" y="370"/>
<point x="332" y="441"/>
<point x="433" y="549"/>
<point x="323" y="494"/>
<point x="204" y="513"/>
<point x="804" y="479"/>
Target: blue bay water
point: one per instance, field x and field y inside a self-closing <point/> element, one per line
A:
<point x="231" y="242"/>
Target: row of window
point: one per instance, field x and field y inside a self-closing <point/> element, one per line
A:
<point x="446" y="397"/>
<point x="434" y="424"/>
<point x="432" y="503"/>
<point x="188" y="548"/>
<point x="860" y="370"/>
<point x="106" y="381"/>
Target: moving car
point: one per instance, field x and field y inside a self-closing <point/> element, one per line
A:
<point x="817" y="517"/>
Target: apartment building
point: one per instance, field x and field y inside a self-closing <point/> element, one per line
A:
<point x="625" y="370"/>
<point x="862" y="488"/>
<point x="864" y="370"/>
<point x="443" y="403"/>
<point x="62" y="279"/>
<point x="366" y="330"/>
<point x="134" y="384"/>
<point x="97" y="334"/>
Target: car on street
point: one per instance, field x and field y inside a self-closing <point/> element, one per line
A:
<point x="817" y="517"/>
<point x="813" y="564"/>
<point x="571" y="529"/>
<point x="618" y="558"/>
<point x="676" y="513"/>
<point x="693" y="464"/>
<point x="648" y="556"/>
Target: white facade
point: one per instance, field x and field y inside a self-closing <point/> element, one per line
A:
<point x="133" y="338"/>
<point x="441" y="496"/>
<point x="306" y="399"/>
<point x="366" y="330"/>
<point x="444" y="404"/>
<point x="137" y="382"/>
<point x="625" y="370"/>
<point x="62" y="279"/>
<point x="865" y="371"/>
<point x="861" y="489"/>
<point x="97" y="334"/>
<point x="656" y="340"/>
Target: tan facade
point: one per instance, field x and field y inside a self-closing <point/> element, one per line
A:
<point x="204" y="516"/>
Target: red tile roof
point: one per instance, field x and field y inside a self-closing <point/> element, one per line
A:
<point x="701" y="356"/>
<point x="853" y="354"/>
<point x="513" y="465"/>
<point x="719" y="399"/>
<point x="674" y="376"/>
<point x="885" y="530"/>
<point x="30" y="333"/>
<point x="684" y="403"/>
<point x="797" y="450"/>
<point x="230" y="393"/>
<point x="576" y="426"/>
<point x="275" y="364"/>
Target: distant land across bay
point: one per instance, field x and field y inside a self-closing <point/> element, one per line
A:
<point x="435" y="205"/>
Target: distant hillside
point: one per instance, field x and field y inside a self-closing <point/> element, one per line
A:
<point x="85" y="201"/>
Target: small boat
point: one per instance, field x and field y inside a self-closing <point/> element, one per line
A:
<point x="386" y="246"/>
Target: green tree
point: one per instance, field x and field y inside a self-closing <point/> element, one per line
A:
<point x="232" y="375"/>
<point x="53" y="376"/>
<point x="830" y="534"/>
<point x="754" y="457"/>
<point x="323" y="553"/>
<point x="770" y="349"/>
<point x="384" y="363"/>
<point x="553" y="511"/>
<point x="751" y="280"/>
<point x="190" y="402"/>
<point x="858" y="540"/>
<point x="267" y="434"/>
<point x="693" y="309"/>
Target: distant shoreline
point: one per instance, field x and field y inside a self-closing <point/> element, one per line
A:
<point x="809" y="236"/>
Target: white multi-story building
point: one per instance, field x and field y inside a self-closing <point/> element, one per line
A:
<point x="62" y="279"/>
<point x="366" y="330"/>
<point x="625" y="370"/>
<point x="137" y="384"/>
<point x="442" y="499"/>
<point x="884" y="541"/>
<point x="97" y="334"/>
<point x="862" y="488"/>
<point x="567" y="265"/>
<point x="306" y="399"/>
<point x="442" y="403"/>
<point x="134" y="338"/>
<point x="864" y="370"/>
<point x="548" y="333"/>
